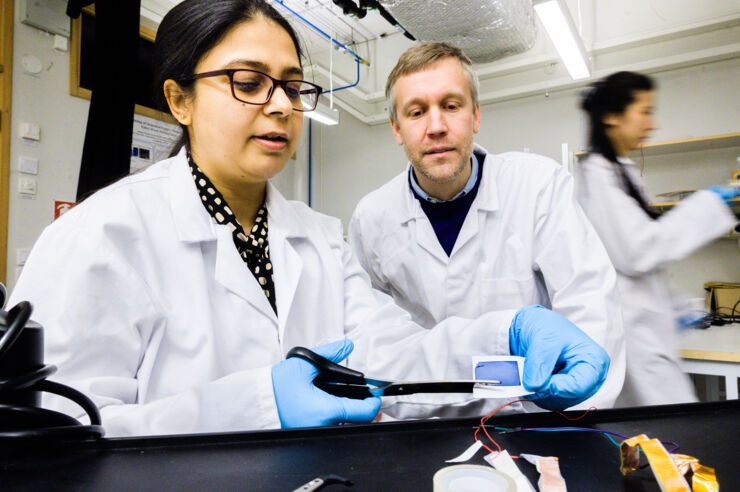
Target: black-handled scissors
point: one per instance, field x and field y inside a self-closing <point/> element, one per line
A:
<point x="343" y="381"/>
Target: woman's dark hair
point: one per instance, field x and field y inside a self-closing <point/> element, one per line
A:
<point x="612" y="95"/>
<point x="191" y="29"/>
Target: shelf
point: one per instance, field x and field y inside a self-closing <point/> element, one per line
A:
<point x="686" y="145"/>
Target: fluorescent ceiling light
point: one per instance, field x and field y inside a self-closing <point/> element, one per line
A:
<point x="559" y="25"/>
<point x="324" y="114"/>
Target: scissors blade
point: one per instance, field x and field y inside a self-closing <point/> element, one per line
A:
<point x="410" y="387"/>
<point x="359" y="392"/>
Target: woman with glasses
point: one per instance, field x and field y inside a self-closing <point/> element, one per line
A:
<point x="640" y="242"/>
<point x="172" y="296"/>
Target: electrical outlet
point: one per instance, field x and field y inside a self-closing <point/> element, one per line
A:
<point x="21" y="255"/>
<point x="27" y="186"/>
<point x="28" y="165"/>
<point x="60" y="43"/>
<point x="29" y="131"/>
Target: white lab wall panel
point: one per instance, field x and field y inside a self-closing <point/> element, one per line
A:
<point x="536" y="124"/>
<point x="42" y="99"/>
<point x="350" y="160"/>
<point x="699" y="101"/>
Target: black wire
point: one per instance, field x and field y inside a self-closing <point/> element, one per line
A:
<point x="717" y="318"/>
<point x="735" y="319"/>
<point x="28" y="379"/>
<point x="17" y="318"/>
<point x="52" y="425"/>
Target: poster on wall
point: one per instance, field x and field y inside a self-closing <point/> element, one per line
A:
<point x="152" y="141"/>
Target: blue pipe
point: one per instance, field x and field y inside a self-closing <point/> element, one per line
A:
<point x="310" y="172"/>
<point x="348" y="86"/>
<point x="357" y="57"/>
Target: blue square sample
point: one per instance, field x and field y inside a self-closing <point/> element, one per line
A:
<point x="506" y="371"/>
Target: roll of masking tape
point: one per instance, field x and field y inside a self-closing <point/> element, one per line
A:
<point x="472" y="478"/>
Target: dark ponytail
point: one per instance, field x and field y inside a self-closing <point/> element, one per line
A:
<point x="612" y="95"/>
<point x="190" y="30"/>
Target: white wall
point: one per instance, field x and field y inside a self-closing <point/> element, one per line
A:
<point x="352" y="158"/>
<point x="44" y="100"/>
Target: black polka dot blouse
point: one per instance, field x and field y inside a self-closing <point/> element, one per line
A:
<point x="254" y="249"/>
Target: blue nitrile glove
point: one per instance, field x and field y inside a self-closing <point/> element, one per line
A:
<point x="562" y="365"/>
<point x="301" y="404"/>
<point x="726" y="193"/>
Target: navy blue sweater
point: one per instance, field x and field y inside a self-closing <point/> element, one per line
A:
<point x="447" y="217"/>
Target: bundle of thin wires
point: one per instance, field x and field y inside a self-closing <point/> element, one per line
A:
<point x="723" y="315"/>
<point x="506" y="430"/>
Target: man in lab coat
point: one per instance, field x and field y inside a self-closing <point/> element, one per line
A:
<point x="462" y="232"/>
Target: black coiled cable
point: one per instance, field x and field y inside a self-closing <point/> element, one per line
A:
<point x="21" y="421"/>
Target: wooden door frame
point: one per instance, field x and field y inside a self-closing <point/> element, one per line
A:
<point x="6" y="88"/>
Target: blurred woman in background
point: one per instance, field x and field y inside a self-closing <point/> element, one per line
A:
<point x="639" y="241"/>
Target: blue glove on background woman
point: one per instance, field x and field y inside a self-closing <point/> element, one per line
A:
<point x="726" y="193"/>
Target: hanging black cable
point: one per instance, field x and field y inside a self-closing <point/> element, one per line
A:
<point x="22" y="380"/>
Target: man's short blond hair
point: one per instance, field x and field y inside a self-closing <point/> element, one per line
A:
<point x="425" y="55"/>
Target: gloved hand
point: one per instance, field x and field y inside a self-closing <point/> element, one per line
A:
<point x="301" y="404"/>
<point x="562" y="365"/>
<point x="726" y="193"/>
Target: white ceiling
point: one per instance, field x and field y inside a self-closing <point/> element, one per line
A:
<point x="642" y="35"/>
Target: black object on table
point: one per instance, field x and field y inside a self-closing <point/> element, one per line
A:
<point x="394" y="456"/>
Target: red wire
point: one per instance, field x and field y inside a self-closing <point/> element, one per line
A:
<point x="485" y="431"/>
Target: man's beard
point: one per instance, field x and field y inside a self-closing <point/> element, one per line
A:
<point x="420" y="169"/>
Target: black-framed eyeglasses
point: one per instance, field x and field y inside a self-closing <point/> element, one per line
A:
<point x="253" y="87"/>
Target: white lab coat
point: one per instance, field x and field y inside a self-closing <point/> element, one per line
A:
<point x="640" y="248"/>
<point x="149" y="309"/>
<point x="524" y="241"/>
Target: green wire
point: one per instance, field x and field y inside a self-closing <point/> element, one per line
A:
<point x="566" y="430"/>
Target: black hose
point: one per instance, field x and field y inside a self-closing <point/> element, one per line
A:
<point x="22" y="421"/>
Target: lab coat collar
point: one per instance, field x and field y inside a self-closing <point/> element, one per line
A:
<point x="284" y="224"/>
<point x="281" y="213"/>
<point x="626" y="161"/>
<point x="194" y="224"/>
<point x="192" y="221"/>
<point x="486" y="199"/>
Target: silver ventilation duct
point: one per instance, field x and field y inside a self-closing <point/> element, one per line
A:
<point x="485" y="30"/>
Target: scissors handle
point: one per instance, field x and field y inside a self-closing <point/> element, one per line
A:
<point x="328" y="371"/>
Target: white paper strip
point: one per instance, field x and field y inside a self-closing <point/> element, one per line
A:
<point x="505" y="464"/>
<point x="469" y="453"/>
